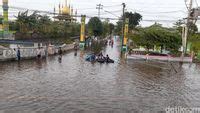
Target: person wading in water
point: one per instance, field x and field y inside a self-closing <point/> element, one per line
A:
<point x="39" y="53"/>
<point x="60" y="52"/>
<point x="18" y="54"/>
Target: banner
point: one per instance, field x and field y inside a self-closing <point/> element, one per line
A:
<point x="82" y="35"/>
<point x="125" y="41"/>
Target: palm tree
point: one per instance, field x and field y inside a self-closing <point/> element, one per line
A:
<point x="27" y="22"/>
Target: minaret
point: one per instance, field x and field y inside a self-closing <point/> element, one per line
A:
<point x="59" y="9"/>
<point x="72" y="11"/>
<point x="54" y="12"/>
<point x="69" y="9"/>
<point x="5" y="17"/>
<point x="66" y="3"/>
<point x="76" y="13"/>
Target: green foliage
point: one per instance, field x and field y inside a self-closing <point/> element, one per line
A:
<point x="27" y="22"/>
<point x="42" y="25"/>
<point x="196" y="46"/>
<point x="106" y="28"/>
<point x="97" y="46"/>
<point x="111" y="28"/>
<point x="1" y="20"/>
<point x="192" y="27"/>
<point x="193" y="37"/>
<point x="198" y="56"/>
<point x="118" y="29"/>
<point x="178" y="26"/>
<point x="159" y="36"/>
<point x="134" y="20"/>
<point x="95" y="26"/>
<point x="195" y="40"/>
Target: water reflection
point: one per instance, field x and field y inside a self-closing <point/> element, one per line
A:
<point x="76" y="86"/>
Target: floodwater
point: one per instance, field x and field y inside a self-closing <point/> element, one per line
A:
<point x="77" y="86"/>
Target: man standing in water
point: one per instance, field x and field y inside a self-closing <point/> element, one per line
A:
<point x="60" y="52"/>
<point x="39" y="53"/>
<point x="18" y="54"/>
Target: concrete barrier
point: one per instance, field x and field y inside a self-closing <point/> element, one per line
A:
<point x="160" y="58"/>
<point x="28" y="53"/>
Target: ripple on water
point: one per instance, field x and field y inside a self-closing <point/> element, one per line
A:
<point x="77" y="86"/>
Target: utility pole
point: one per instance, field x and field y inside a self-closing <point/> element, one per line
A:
<point x="123" y="21"/>
<point x="99" y="7"/>
<point x="5" y="19"/>
<point x="185" y="36"/>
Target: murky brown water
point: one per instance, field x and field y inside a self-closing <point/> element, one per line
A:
<point x="77" y="86"/>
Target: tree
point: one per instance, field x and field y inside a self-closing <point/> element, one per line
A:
<point x="33" y="25"/>
<point x="118" y="29"/>
<point x="195" y="43"/>
<point x="134" y="19"/>
<point x="44" y="23"/>
<point x="22" y="19"/>
<point x="111" y="28"/>
<point x="178" y="26"/>
<point x="157" y="35"/>
<point x="105" y="28"/>
<point x="95" y="26"/>
<point x="192" y="27"/>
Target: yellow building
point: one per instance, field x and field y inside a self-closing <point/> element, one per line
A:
<point x="65" y="13"/>
<point x="66" y="10"/>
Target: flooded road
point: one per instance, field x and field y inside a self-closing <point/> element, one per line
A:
<point x="78" y="86"/>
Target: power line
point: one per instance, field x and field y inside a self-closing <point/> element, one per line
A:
<point x="52" y="13"/>
<point x="186" y="5"/>
<point x="196" y="3"/>
<point x="148" y="20"/>
<point x="117" y="11"/>
<point x="175" y="11"/>
<point x="112" y="13"/>
<point x="112" y="6"/>
<point x="161" y="16"/>
<point x="86" y="8"/>
<point x="153" y="4"/>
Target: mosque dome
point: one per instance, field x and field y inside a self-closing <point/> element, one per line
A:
<point x="66" y="10"/>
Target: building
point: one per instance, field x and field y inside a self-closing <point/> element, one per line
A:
<point x="65" y="13"/>
<point x="4" y="22"/>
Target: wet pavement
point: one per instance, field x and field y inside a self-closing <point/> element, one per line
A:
<point x="78" y="86"/>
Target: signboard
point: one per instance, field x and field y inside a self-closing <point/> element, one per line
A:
<point x="125" y="39"/>
<point x="82" y="35"/>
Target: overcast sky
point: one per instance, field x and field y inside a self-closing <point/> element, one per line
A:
<point x="151" y="10"/>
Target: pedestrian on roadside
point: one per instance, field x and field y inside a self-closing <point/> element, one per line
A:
<point x="39" y="53"/>
<point x="14" y="53"/>
<point x="112" y="42"/>
<point x="75" y="46"/>
<point x="60" y="52"/>
<point x="18" y="54"/>
<point x="46" y="50"/>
